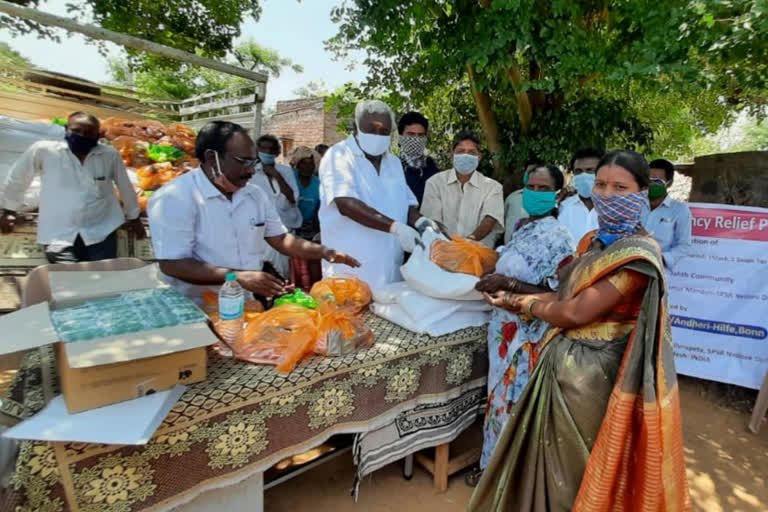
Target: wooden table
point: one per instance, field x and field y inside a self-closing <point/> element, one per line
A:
<point x="240" y="421"/>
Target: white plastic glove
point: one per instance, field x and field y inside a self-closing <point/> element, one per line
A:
<point x="424" y="223"/>
<point x="405" y="234"/>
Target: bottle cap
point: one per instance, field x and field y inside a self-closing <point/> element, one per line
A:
<point x="231" y="276"/>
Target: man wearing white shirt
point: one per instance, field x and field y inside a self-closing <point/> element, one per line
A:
<point x="212" y="221"/>
<point x="79" y="211"/>
<point x="577" y="213"/>
<point x="365" y="203"/>
<point x="278" y="181"/>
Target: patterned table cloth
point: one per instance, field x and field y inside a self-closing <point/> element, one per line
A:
<point x="241" y="420"/>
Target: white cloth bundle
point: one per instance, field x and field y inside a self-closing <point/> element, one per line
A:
<point x="426" y="277"/>
<point x="401" y="304"/>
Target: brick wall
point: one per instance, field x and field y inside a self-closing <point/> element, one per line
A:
<point x="303" y="122"/>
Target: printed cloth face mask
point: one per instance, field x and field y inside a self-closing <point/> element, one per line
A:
<point x="619" y="216"/>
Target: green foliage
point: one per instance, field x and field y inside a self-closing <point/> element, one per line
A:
<point x="9" y="56"/>
<point x="646" y="74"/>
<point x="203" y="27"/>
<point x="312" y="89"/>
<point x="157" y="79"/>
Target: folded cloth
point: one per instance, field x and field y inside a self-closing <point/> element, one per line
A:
<point x="429" y="310"/>
<point x="455" y="322"/>
<point x="388" y="293"/>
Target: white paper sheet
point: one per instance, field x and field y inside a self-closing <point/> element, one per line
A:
<point x="131" y="422"/>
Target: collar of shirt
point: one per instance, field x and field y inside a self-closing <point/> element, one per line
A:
<point x="210" y="191"/>
<point x="474" y="180"/>
<point x="97" y="150"/>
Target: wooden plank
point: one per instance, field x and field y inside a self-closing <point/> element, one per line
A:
<point x="73" y="80"/>
<point x="425" y="462"/>
<point x="464" y="460"/>
<point x="30" y="106"/>
<point x="440" y="476"/>
<point x="43" y="88"/>
<point x="228" y="103"/>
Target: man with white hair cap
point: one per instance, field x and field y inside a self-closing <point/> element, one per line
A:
<point x="365" y="202"/>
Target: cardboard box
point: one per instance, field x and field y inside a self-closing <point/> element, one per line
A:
<point x="107" y="370"/>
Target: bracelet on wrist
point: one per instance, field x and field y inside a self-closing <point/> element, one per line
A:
<point x="529" y="308"/>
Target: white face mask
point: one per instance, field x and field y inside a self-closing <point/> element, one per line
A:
<point x="465" y="163"/>
<point x="372" y="144"/>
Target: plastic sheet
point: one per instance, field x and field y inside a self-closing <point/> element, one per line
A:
<point x="463" y="256"/>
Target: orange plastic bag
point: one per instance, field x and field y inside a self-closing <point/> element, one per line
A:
<point x="282" y="336"/>
<point x="342" y="330"/>
<point x="344" y="291"/>
<point x="463" y="256"/>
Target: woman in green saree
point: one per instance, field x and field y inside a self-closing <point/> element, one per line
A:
<point x="598" y="427"/>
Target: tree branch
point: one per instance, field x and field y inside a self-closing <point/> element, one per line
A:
<point x="524" y="111"/>
<point x="487" y="119"/>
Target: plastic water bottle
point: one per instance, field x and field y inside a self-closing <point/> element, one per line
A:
<point x="231" y="304"/>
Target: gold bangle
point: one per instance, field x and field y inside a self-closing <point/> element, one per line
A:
<point x="529" y="309"/>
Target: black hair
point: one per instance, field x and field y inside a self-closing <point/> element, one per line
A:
<point x="669" y="167"/>
<point x="586" y="153"/>
<point x="90" y="117"/>
<point x="462" y="136"/>
<point x="556" y="174"/>
<point x="215" y="136"/>
<point x="632" y="161"/>
<point x="270" y="139"/>
<point x="534" y="160"/>
<point x="320" y="148"/>
<point x="410" y="118"/>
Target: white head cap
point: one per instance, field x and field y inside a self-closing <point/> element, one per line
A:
<point x="373" y="107"/>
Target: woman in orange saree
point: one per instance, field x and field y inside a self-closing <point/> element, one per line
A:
<point x="598" y="427"/>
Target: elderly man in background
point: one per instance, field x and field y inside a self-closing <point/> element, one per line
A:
<point x="79" y="211"/>
<point x="462" y="199"/>
<point x="365" y="204"/>
<point x="413" y="129"/>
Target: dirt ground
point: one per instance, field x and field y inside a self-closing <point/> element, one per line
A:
<point x="727" y="467"/>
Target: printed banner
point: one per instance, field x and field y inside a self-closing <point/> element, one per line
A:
<point x="718" y="296"/>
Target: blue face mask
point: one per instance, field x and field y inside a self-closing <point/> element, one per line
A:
<point x="584" y="183"/>
<point x="266" y="158"/>
<point x="538" y="203"/>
